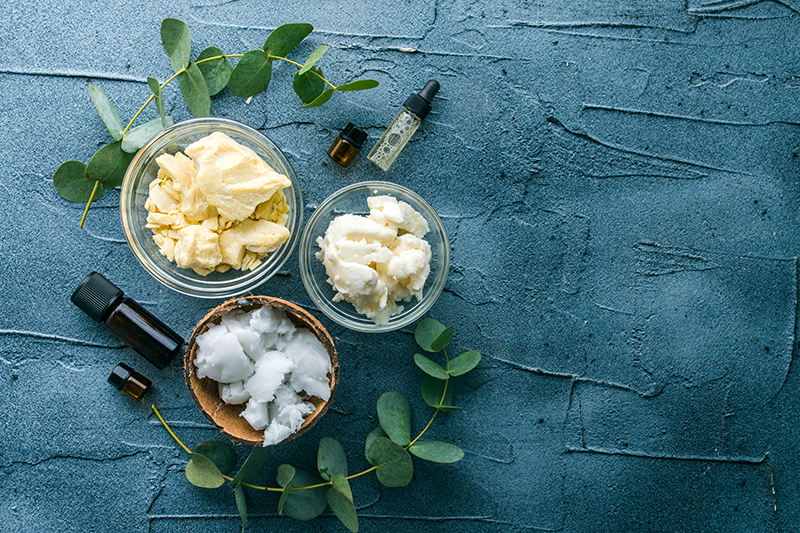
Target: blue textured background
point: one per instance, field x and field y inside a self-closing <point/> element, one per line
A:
<point x="620" y="182"/>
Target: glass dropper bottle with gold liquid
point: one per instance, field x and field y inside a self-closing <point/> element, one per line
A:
<point x="397" y="135"/>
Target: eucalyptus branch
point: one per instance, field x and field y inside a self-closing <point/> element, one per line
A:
<point x="199" y="80"/>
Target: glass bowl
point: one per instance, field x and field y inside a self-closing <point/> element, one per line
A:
<point x="135" y="189"/>
<point x="353" y="200"/>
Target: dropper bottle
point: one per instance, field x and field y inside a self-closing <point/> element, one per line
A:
<point x="397" y="135"/>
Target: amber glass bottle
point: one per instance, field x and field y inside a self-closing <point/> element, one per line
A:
<point x="129" y="381"/>
<point x="132" y="323"/>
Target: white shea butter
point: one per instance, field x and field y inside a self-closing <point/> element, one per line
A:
<point x="261" y="359"/>
<point x="376" y="261"/>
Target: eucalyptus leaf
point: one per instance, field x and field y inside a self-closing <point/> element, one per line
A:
<point x="285" y="38"/>
<point x="251" y="74"/>
<point x="241" y="504"/>
<point x="137" y="137"/>
<point x="340" y="499"/>
<point x="433" y="390"/>
<point x="202" y="472"/>
<point x="308" y="86"/>
<point x="464" y="362"/>
<point x="315" y="56"/>
<point x="108" y="165"/>
<point x="374" y="434"/>
<point x="177" y="42"/>
<point x="195" y="91"/>
<point x="252" y="466"/>
<point x="155" y="87"/>
<point x="107" y="111"/>
<point x="331" y="459"/>
<point x="426" y="333"/>
<point x="358" y="85"/>
<point x="443" y="339"/>
<point x="220" y="453"/>
<point x="437" y="451"/>
<point x="216" y="72"/>
<point x="395" y="468"/>
<point x="285" y="477"/>
<point x="429" y="367"/>
<point x="321" y="99"/>
<point x="304" y="504"/>
<point x="394" y="414"/>
<point x="72" y="184"/>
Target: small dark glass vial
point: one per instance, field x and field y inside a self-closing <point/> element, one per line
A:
<point x="129" y="381"/>
<point x="132" y="323"/>
<point x="347" y="145"/>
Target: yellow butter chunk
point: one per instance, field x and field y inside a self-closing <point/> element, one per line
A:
<point x="241" y="218"/>
<point x="233" y="177"/>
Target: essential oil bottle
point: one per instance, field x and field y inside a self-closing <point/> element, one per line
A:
<point x="129" y="381"/>
<point x="133" y="324"/>
<point x="397" y="135"/>
<point x="347" y="145"/>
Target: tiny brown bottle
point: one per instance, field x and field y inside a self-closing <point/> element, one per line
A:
<point x="129" y="381"/>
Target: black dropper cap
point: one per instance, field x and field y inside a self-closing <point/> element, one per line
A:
<point x="120" y="375"/>
<point x="354" y="135"/>
<point x="96" y="296"/>
<point x="420" y="103"/>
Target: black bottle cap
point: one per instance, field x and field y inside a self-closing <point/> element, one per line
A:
<point x="96" y="296"/>
<point x="420" y="103"/>
<point x="120" y="375"/>
<point x="354" y="135"/>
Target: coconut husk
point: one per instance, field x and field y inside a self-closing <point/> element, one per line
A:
<point x="205" y="392"/>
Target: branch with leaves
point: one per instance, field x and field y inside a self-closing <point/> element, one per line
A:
<point x="388" y="448"/>
<point x="198" y="80"/>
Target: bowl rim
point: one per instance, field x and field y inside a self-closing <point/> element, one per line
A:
<point x="249" y="303"/>
<point x="248" y="280"/>
<point x="367" y="325"/>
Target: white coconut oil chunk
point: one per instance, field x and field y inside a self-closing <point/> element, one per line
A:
<point x="376" y="261"/>
<point x="260" y="358"/>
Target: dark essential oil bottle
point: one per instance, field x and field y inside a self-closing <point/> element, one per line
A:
<point x="132" y="323"/>
<point x="347" y="145"/>
<point x="129" y="381"/>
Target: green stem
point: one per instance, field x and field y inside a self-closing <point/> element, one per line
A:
<point x="89" y="203"/>
<point x="301" y="66"/>
<point x="152" y="96"/>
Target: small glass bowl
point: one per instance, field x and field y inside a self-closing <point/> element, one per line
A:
<point x="135" y="189"/>
<point x="353" y="200"/>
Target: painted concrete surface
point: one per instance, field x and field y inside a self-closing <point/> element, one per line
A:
<point x="620" y="181"/>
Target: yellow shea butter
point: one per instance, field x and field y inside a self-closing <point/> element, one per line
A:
<point x="222" y="208"/>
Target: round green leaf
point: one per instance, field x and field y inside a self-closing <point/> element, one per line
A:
<point x="438" y="393"/>
<point x="251" y="75"/>
<point x="220" y="453"/>
<point x="426" y="333"/>
<point x="202" y="472"/>
<point x="285" y="477"/>
<point x="429" y="367"/>
<point x="108" y="165"/>
<point x="358" y="85"/>
<point x="72" y="184"/>
<point x="315" y="56"/>
<point x="464" y="362"/>
<point x="155" y="87"/>
<point x="395" y="468"/>
<point x="107" y="111"/>
<point x="340" y="499"/>
<point x="252" y="466"/>
<point x="304" y="504"/>
<point x="374" y="434"/>
<point x="321" y="99"/>
<point x="309" y="85"/>
<point x="216" y="72"/>
<point x="394" y="414"/>
<point x="241" y="504"/>
<point x="285" y="38"/>
<point x="331" y="459"/>
<point x="140" y="135"/>
<point x="437" y="451"/>
<point x="177" y="42"/>
<point x="195" y="91"/>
